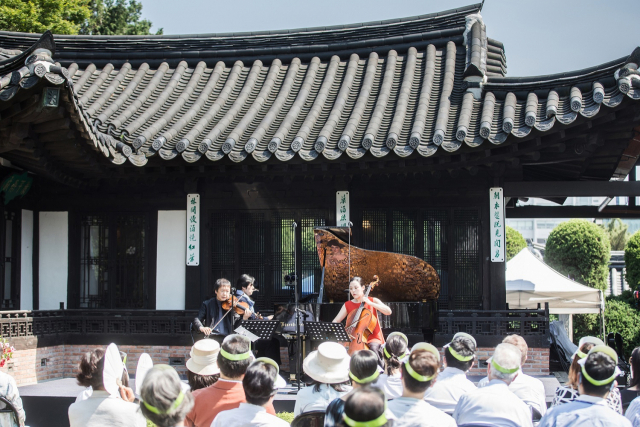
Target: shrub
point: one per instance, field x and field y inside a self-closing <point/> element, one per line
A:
<point x="581" y="250"/>
<point x="515" y="242"/>
<point x="286" y="416"/>
<point x="632" y="260"/>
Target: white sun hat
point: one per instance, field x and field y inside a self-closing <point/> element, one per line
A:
<point x="204" y="357"/>
<point x="329" y="364"/>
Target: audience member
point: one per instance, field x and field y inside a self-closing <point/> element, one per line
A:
<point x="633" y="390"/>
<point x="598" y="372"/>
<point x="459" y="357"/>
<point x="162" y="400"/>
<point x="394" y="349"/>
<point x="570" y="391"/>
<point x="366" y="407"/>
<point x="226" y="393"/>
<point x="259" y="384"/>
<point x="526" y="387"/>
<point x="495" y="404"/>
<point x="9" y="390"/>
<point x="633" y="412"/>
<point x="419" y="373"/>
<point x="363" y="370"/>
<point x="202" y="367"/>
<point x="328" y="367"/>
<point x="101" y="409"/>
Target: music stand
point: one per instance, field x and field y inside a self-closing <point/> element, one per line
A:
<point x="326" y="331"/>
<point x="263" y="329"/>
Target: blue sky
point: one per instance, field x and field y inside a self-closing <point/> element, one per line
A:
<point x="540" y="36"/>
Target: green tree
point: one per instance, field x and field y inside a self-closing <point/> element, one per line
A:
<point x="37" y="16"/>
<point x="103" y="17"/>
<point x="617" y="232"/>
<point x="515" y="242"/>
<point x="581" y="250"/>
<point x="116" y="17"/>
<point x="632" y="260"/>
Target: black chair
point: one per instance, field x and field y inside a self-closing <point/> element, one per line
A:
<point x="10" y="410"/>
<point x="536" y="416"/>
<point x="309" y="419"/>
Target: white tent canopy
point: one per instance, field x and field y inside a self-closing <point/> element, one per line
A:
<point x="531" y="282"/>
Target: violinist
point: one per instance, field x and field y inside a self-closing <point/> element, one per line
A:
<point x="211" y="320"/>
<point x="357" y="290"/>
<point x="246" y="288"/>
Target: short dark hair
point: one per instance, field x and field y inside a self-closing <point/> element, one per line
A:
<point x="423" y="363"/>
<point x="220" y="282"/>
<point x="244" y="281"/>
<point x="89" y="373"/>
<point x="356" y="279"/>
<point x="259" y="383"/>
<point x="234" y="368"/>
<point x="396" y="346"/>
<point x="599" y="366"/>
<point x="363" y="364"/>
<point x="365" y="404"/>
<point x="196" y="381"/>
<point x="464" y="347"/>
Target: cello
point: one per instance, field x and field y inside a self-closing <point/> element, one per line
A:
<point x="361" y="322"/>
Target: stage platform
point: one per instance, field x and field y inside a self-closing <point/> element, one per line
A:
<point x="46" y="403"/>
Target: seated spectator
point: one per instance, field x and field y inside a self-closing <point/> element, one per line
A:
<point x="633" y="390"/>
<point x="366" y="407"/>
<point x="419" y="373"/>
<point x="226" y="393"/>
<point x="526" y="387"/>
<point x="9" y="390"/>
<point x="495" y="404"/>
<point x="570" y="391"/>
<point x="598" y="372"/>
<point x="259" y="384"/>
<point x="633" y="412"/>
<point x="363" y="370"/>
<point x="202" y="367"/>
<point x="328" y="367"/>
<point x="459" y="357"/>
<point x="101" y="409"/>
<point x="162" y="400"/>
<point x="393" y="350"/>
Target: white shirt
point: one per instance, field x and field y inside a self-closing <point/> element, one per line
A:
<point x="415" y="412"/>
<point x="9" y="390"/>
<point x="527" y="388"/>
<point x="584" y="411"/>
<point x="308" y="400"/>
<point x="100" y="409"/>
<point x="449" y="387"/>
<point x="391" y="385"/>
<point x="493" y="405"/>
<point x="247" y="415"/>
<point x="633" y="412"/>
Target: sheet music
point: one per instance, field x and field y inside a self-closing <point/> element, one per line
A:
<point x="242" y="331"/>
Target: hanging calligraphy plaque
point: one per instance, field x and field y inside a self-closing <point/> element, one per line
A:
<point x="496" y="207"/>
<point x="193" y="229"/>
<point x="342" y="208"/>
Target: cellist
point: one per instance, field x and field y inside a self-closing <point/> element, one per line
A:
<point x="357" y="290"/>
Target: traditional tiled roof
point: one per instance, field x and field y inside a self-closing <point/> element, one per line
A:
<point x="381" y="90"/>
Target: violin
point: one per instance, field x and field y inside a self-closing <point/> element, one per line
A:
<point x="239" y="307"/>
<point x="361" y="322"/>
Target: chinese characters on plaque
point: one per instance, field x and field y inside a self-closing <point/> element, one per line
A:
<point x="193" y="229"/>
<point x="342" y="208"/>
<point x="496" y="207"/>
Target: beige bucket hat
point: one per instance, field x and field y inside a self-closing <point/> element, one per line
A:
<point x="329" y="364"/>
<point x="204" y="356"/>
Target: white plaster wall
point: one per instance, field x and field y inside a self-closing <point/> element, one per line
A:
<point x="26" y="261"/>
<point x="54" y="259"/>
<point x="171" y="260"/>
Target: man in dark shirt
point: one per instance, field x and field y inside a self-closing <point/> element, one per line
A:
<point x="211" y="312"/>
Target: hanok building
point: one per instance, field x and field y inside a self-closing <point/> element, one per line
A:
<point x="414" y="117"/>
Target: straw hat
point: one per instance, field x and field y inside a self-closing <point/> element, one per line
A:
<point x="329" y="364"/>
<point x="204" y="356"/>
